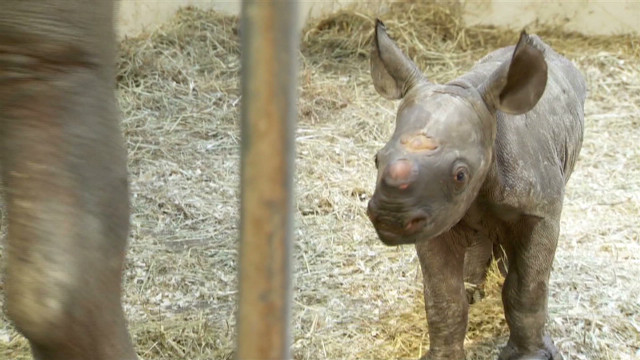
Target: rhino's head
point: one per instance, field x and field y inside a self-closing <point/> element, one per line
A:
<point x="431" y="170"/>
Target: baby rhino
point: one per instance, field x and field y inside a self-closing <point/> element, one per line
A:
<point x="477" y="164"/>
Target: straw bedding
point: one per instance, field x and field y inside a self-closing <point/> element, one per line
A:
<point x="353" y="297"/>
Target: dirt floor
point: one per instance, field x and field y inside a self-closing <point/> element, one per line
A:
<point x="354" y="298"/>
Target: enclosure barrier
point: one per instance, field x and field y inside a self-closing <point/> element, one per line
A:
<point x="269" y="50"/>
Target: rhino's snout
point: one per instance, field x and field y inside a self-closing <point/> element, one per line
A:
<point x="396" y="229"/>
<point x="396" y="221"/>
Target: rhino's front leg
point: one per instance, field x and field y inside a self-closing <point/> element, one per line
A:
<point x="64" y="173"/>
<point x="525" y="290"/>
<point x="442" y="262"/>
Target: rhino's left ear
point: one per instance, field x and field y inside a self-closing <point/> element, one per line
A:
<point x="517" y="85"/>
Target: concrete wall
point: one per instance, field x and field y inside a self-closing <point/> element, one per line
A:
<point x="140" y="15"/>
<point x="586" y="16"/>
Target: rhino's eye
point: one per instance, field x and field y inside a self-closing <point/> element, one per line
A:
<point x="375" y="159"/>
<point x="460" y="177"/>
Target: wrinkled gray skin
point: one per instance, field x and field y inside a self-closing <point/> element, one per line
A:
<point x="477" y="164"/>
<point x="65" y="180"/>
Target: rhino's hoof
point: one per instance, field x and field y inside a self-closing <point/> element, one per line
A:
<point x="549" y="352"/>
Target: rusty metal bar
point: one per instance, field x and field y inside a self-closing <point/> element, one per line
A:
<point x="269" y="70"/>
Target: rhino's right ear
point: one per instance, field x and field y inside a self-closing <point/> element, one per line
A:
<point x="393" y="73"/>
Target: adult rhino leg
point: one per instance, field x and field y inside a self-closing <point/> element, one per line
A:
<point x="65" y="179"/>
<point x="477" y="259"/>
<point x="525" y="291"/>
<point x="442" y="263"/>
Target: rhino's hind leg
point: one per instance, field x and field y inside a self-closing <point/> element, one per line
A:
<point x="477" y="259"/>
<point x="525" y="291"/>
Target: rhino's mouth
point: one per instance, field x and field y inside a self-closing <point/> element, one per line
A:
<point x="393" y="239"/>
<point x="394" y="231"/>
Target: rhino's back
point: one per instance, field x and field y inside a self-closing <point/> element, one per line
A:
<point x="535" y="152"/>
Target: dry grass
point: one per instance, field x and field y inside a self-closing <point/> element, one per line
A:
<point x="354" y="298"/>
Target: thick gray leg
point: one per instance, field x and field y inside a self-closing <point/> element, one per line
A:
<point x="525" y="290"/>
<point x="442" y="262"/>
<point x="64" y="171"/>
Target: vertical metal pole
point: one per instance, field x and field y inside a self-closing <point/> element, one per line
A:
<point x="269" y="70"/>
